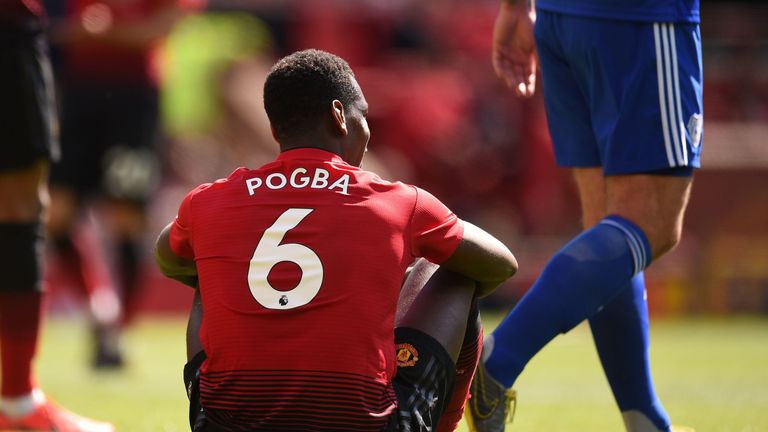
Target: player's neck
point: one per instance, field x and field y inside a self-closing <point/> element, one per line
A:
<point x="334" y="148"/>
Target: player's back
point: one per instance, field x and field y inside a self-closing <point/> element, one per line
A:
<point x="300" y="265"/>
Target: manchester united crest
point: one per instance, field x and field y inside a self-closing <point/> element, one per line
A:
<point x="407" y="355"/>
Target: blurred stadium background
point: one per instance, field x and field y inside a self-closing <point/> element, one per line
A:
<point x="440" y="119"/>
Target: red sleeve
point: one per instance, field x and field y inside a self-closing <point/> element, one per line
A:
<point x="436" y="231"/>
<point x="181" y="229"/>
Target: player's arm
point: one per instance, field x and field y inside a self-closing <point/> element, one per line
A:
<point x="172" y="265"/>
<point x="514" y="49"/>
<point x="482" y="257"/>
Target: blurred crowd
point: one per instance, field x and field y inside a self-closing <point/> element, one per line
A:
<point x="438" y="116"/>
<point x="162" y="95"/>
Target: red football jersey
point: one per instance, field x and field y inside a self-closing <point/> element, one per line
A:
<point x="300" y="264"/>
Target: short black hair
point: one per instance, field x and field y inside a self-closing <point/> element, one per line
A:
<point x="300" y="88"/>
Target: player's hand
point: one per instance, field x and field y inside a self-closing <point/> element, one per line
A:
<point x="514" y="49"/>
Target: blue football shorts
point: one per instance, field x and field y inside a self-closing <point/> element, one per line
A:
<point x="625" y="96"/>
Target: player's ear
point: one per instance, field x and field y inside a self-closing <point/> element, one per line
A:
<point x="339" y="119"/>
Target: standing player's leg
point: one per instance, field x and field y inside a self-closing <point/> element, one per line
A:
<point x="619" y="335"/>
<point x="587" y="272"/>
<point x="437" y="327"/>
<point x="80" y="252"/>
<point x="74" y="179"/>
<point x="644" y="210"/>
<point x="620" y="328"/>
<point x="590" y="271"/>
<point x="27" y="131"/>
<point x="22" y="197"/>
<point x="126" y="221"/>
<point x="129" y="178"/>
<point x="23" y="406"/>
<point x="26" y="137"/>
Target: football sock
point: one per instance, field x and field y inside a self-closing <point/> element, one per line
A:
<point x="21" y="256"/>
<point x="620" y="331"/>
<point x="19" y="406"/>
<point x="82" y="255"/>
<point x="581" y="277"/>
<point x="20" y="317"/>
<point x="466" y="364"/>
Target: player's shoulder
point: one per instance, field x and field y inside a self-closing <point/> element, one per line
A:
<point x="377" y="183"/>
<point x="218" y="184"/>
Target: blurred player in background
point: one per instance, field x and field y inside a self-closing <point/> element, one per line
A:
<point x="110" y="167"/>
<point x="622" y="89"/>
<point x="28" y="131"/>
<point x="300" y="265"/>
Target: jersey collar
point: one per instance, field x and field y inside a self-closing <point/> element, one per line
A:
<point x="310" y="153"/>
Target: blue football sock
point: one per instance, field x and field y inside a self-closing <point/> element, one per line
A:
<point x="584" y="275"/>
<point x="620" y="331"/>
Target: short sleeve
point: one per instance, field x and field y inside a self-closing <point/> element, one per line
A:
<point x="181" y="228"/>
<point x="436" y="231"/>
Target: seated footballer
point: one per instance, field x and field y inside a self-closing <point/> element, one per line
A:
<point x="333" y="300"/>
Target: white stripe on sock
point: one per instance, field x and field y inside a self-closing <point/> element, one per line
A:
<point x="635" y="246"/>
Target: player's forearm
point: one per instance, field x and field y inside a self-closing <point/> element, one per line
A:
<point x="172" y="265"/>
<point x="483" y="289"/>
<point x="190" y="281"/>
<point x="483" y="258"/>
<point x="186" y="274"/>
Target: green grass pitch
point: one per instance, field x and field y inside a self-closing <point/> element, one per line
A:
<point x="712" y="374"/>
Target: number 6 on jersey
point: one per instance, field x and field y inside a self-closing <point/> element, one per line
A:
<point x="269" y="252"/>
